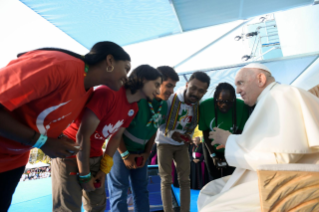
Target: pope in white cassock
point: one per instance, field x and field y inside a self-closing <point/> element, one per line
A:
<point x="283" y="128"/>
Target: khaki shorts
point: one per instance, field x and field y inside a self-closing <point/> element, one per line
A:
<point x="67" y="192"/>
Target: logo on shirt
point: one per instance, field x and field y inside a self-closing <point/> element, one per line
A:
<point x="97" y="136"/>
<point x="41" y="117"/>
<point x="184" y="120"/>
<point x="211" y="124"/>
<point x="131" y="112"/>
<point x="110" y="129"/>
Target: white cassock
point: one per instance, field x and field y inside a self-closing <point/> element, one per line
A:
<point x="284" y="128"/>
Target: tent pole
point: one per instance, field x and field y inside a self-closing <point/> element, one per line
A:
<point x="210" y="44"/>
<point x="239" y="65"/>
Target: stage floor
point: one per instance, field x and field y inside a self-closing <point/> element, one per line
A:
<point x="36" y="195"/>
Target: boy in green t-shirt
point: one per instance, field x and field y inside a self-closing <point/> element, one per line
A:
<point x="130" y="161"/>
<point x="226" y="112"/>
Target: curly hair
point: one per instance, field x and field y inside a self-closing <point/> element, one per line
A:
<point x="142" y="72"/>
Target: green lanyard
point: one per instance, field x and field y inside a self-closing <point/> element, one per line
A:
<point x="86" y="69"/>
<point x="156" y="117"/>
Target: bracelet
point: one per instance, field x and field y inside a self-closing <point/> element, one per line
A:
<point x="213" y="155"/>
<point x="124" y="154"/>
<point x="41" y="141"/>
<point x="85" y="176"/>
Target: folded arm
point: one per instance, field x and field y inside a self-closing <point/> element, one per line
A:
<point x="238" y="157"/>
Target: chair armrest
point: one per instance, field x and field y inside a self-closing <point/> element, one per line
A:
<point x="289" y="187"/>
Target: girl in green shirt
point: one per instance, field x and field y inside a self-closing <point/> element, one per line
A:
<point x="131" y="159"/>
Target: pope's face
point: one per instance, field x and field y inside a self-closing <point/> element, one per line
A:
<point x="247" y="86"/>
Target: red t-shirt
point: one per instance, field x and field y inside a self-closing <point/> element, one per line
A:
<point x="43" y="90"/>
<point x="112" y="109"/>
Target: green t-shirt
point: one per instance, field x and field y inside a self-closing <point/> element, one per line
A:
<point x="225" y="120"/>
<point x="137" y="134"/>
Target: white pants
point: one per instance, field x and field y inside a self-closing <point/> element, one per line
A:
<point x="241" y="198"/>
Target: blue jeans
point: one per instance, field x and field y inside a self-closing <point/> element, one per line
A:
<point x="118" y="182"/>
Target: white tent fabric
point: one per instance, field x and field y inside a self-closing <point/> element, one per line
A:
<point x="36" y="165"/>
<point x="25" y="30"/>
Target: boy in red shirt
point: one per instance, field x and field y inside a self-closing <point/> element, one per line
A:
<point x="107" y="114"/>
<point x="41" y="93"/>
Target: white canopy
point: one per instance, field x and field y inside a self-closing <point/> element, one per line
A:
<point x="36" y="165"/>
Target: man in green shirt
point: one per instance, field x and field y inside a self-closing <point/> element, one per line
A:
<point x="226" y="112"/>
<point x="130" y="161"/>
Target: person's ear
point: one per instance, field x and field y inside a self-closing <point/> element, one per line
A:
<point x="144" y="81"/>
<point x="186" y="85"/>
<point x="262" y="79"/>
<point x="109" y="60"/>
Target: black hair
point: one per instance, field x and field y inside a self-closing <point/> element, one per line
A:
<point x="201" y="76"/>
<point x="97" y="53"/>
<point x="168" y="72"/>
<point x="224" y="86"/>
<point x="135" y="80"/>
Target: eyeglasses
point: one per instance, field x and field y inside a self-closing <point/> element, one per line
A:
<point x="225" y="101"/>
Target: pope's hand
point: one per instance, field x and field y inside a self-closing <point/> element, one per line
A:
<point x="219" y="136"/>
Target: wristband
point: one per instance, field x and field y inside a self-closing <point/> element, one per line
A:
<point x="124" y="154"/>
<point x="213" y="155"/>
<point x="106" y="163"/>
<point x="125" y="157"/>
<point x="41" y="141"/>
<point x="85" y="180"/>
<point x="85" y="176"/>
